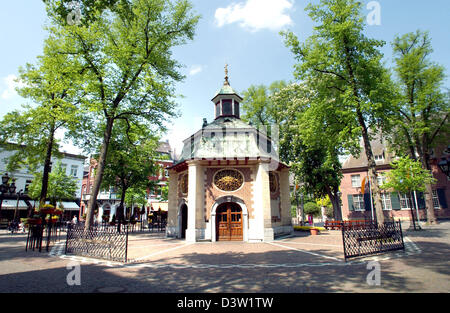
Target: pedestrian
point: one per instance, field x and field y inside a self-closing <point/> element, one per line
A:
<point x="75" y="220"/>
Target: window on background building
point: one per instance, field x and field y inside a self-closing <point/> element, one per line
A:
<point x="356" y="181"/>
<point x="358" y="202"/>
<point x="379" y="157"/>
<point x="27" y="185"/>
<point x="405" y="201"/>
<point x="435" y="200"/>
<point x="386" y="200"/>
<point x="64" y="167"/>
<point x="74" y="170"/>
<point x="381" y="179"/>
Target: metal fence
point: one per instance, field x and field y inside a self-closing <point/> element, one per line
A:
<point x="37" y="233"/>
<point x="372" y="239"/>
<point x="97" y="242"/>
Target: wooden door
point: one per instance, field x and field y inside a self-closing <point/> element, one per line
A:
<point x="184" y="220"/>
<point x="229" y="222"/>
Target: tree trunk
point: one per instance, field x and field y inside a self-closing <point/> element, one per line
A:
<point x="47" y="167"/>
<point x="120" y="209"/>
<point x="431" y="217"/>
<point x="365" y="135"/>
<point x="336" y="203"/>
<point x="99" y="173"/>
<point x="372" y="172"/>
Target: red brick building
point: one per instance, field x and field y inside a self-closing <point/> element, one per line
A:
<point x="109" y="200"/>
<point x="357" y="205"/>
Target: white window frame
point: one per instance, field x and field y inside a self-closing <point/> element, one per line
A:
<point x="74" y="170"/>
<point x="358" y="202"/>
<point x="386" y="201"/>
<point x="405" y="198"/>
<point x="357" y="182"/>
<point x="436" y="204"/>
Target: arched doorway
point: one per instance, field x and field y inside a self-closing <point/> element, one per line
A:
<point x="229" y="222"/>
<point x="184" y="220"/>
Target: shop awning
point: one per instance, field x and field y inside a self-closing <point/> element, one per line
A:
<point x="11" y="205"/>
<point x="70" y="206"/>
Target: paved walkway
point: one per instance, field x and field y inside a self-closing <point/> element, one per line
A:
<point x="302" y="263"/>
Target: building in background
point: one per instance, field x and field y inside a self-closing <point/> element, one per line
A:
<point x="357" y="204"/>
<point x="109" y="200"/>
<point x="73" y="165"/>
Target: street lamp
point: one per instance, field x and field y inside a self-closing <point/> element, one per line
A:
<point x="5" y="188"/>
<point x="444" y="165"/>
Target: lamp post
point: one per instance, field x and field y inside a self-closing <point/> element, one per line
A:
<point x="5" y="188"/>
<point x="444" y="165"/>
<point x="19" y="194"/>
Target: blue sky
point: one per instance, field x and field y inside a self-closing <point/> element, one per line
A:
<point x="242" y="33"/>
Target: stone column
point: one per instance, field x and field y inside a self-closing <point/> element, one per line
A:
<point x="263" y="215"/>
<point x="195" y="186"/>
<point x="172" y="214"/>
<point x="286" y="219"/>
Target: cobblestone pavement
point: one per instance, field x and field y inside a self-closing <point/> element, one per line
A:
<point x="301" y="263"/>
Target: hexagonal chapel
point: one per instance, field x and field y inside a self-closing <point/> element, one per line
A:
<point x="229" y="183"/>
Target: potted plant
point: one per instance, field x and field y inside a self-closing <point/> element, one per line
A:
<point x="47" y="209"/>
<point x="314" y="231"/>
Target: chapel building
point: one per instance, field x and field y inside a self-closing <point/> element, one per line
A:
<point x="228" y="183"/>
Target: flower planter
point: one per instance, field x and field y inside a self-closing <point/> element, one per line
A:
<point x="47" y="211"/>
<point x="314" y="231"/>
<point x="34" y="221"/>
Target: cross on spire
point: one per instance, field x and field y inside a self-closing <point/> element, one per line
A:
<point x="226" y="75"/>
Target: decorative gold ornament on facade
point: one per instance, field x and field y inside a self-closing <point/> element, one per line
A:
<point x="183" y="183"/>
<point x="228" y="180"/>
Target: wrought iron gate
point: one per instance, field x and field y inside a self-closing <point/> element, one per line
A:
<point x="372" y="239"/>
<point x="98" y="243"/>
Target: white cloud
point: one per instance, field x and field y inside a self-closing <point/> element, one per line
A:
<point x="195" y="69"/>
<point x="11" y="85"/>
<point x="255" y="15"/>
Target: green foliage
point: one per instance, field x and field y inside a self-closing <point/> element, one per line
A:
<point x="422" y="119"/>
<point x="165" y="192"/>
<point x="312" y="208"/>
<point x="60" y="185"/>
<point x="136" y="196"/>
<point x="129" y="165"/>
<point x="351" y="93"/>
<point x="407" y="175"/>
<point x="258" y="106"/>
<point x="130" y="75"/>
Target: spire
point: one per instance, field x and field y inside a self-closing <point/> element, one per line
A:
<point x="226" y="76"/>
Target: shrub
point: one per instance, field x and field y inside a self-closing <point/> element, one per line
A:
<point x="312" y="208"/>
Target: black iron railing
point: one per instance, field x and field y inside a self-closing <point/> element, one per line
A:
<point x="97" y="242"/>
<point x="372" y="239"/>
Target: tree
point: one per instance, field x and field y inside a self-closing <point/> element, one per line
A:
<point x="422" y="119"/>
<point x="352" y="91"/>
<point x="314" y="162"/>
<point x="408" y="175"/>
<point x="312" y="208"/>
<point x="128" y="163"/>
<point x="258" y="106"/>
<point x="131" y="72"/>
<point x="31" y="133"/>
<point x="60" y="185"/>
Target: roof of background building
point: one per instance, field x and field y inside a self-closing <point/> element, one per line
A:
<point x="379" y="147"/>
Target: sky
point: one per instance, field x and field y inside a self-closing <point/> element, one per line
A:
<point x="241" y="33"/>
